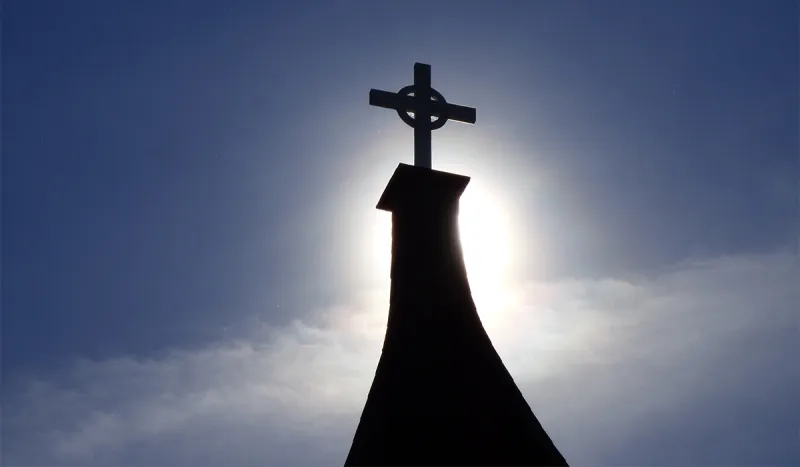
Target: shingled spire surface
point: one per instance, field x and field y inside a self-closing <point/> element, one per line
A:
<point x="441" y="394"/>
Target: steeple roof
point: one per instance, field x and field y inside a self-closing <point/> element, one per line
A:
<point x="441" y="394"/>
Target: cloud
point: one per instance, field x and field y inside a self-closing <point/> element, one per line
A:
<point x="692" y="366"/>
<point x="695" y="366"/>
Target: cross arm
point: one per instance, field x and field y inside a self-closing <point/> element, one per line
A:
<point x="394" y="101"/>
<point x="460" y="113"/>
<point x="389" y="100"/>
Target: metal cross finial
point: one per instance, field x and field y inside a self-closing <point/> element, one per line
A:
<point x="425" y="103"/>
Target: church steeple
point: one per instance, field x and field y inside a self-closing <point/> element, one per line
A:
<point x="441" y="394"/>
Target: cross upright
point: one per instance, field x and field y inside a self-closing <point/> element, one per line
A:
<point x="426" y="104"/>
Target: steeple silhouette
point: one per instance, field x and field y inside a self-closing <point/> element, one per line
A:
<point x="441" y="394"/>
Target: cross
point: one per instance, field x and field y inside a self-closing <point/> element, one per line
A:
<point x="426" y="103"/>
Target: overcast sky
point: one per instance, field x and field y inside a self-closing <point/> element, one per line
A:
<point x="194" y="272"/>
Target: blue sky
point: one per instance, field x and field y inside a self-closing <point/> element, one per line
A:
<point x="189" y="270"/>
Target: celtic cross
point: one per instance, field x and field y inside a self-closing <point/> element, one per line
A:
<point x="426" y="104"/>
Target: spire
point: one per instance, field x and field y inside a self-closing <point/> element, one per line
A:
<point x="441" y="395"/>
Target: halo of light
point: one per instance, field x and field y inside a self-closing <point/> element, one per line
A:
<point x="486" y="240"/>
<point x="487" y="243"/>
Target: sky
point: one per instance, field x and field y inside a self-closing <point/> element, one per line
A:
<point x="194" y="271"/>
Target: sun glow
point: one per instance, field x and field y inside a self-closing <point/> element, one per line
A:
<point x="486" y="240"/>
